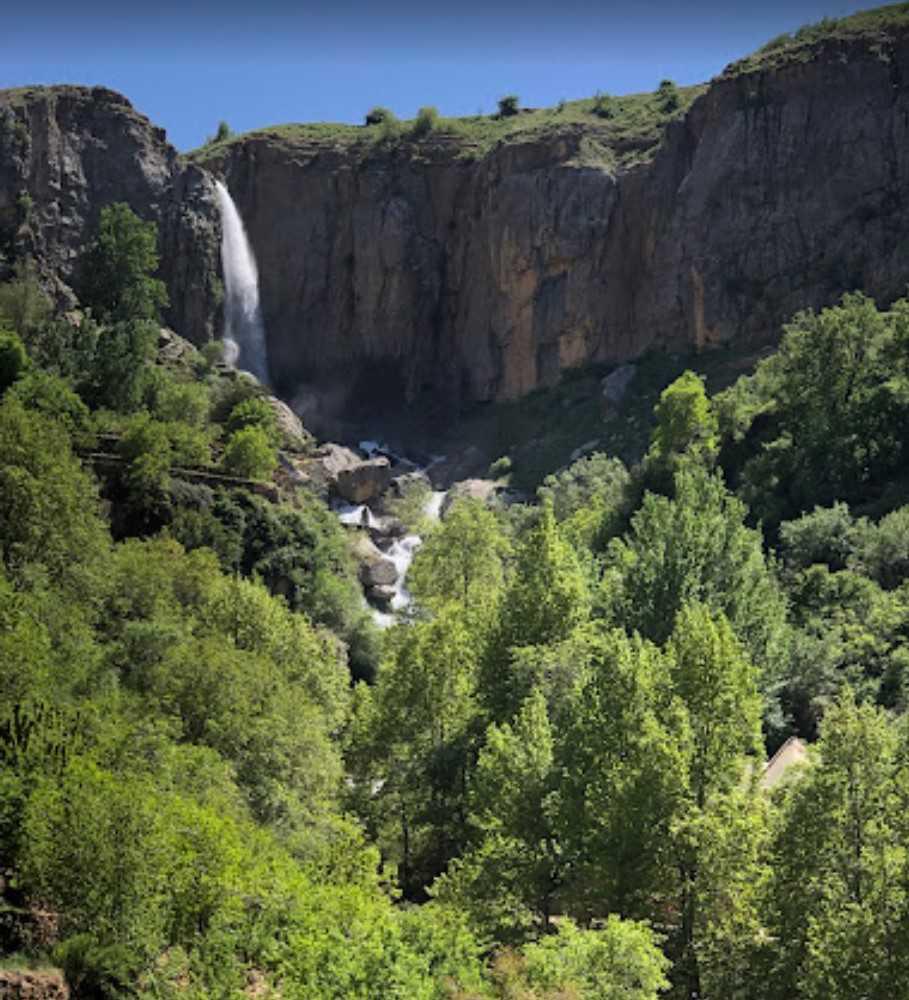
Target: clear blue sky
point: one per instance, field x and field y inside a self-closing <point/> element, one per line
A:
<point x="187" y="66"/>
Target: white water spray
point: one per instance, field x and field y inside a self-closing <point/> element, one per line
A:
<point x="244" y="331"/>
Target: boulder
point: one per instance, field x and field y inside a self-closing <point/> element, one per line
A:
<point x="293" y="435"/>
<point x="472" y="489"/>
<point x="363" y="481"/>
<point x="615" y="384"/>
<point x="375" y="569"/>
<point x="381" y="596"/>
<point x="401" y="484"/>
<point x="381" y="573"/>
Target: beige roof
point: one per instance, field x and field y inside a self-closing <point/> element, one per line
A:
<point x="792" y="752"/>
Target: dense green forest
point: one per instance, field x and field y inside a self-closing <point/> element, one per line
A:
<point x="217" y="779"/>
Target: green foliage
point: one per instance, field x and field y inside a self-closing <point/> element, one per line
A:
<point x="379" y="116"/>
<point x="827" y="535"/>
<point x="51" y="396"/>
<point x="24" y="306"/>
<point x="545" y="599"/>
<point x="13" y="359"/>
<point x="117" y="283"/>
<point x="837" y="393"/>
<point x="48" y="505"/>
<point x="838" y="905"/>
<point x="668" y="96"/>
<point x="603" y="106"/>
<point x="462" y="559"/>
<point x="685" y="425"/>
<point x="696" y="547"/>
<point x="118" y="373"/>
<point x="249" y="453"/>
<point x="621" y="960"/>
<point x="590" y="498"/>
<point x="254" y="412"/>
<point x="223" y="133"/>
<point x="508" y="105"/>
<point x="500" y="467"/>
<point x="427" y="121"/>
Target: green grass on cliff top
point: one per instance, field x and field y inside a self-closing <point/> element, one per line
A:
<point x="617" y="130"/>
<point x="878" y="27"/>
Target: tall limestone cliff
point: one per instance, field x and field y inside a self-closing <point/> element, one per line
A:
<point x="468" y="266"/>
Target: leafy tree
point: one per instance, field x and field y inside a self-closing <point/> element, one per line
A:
<point x="249" y="453"/>
<point x="717" y="686"/>
<point x="117" y="279"/>
<point x="696" y="547"/>
<point x="24" y="305"/>
<point x="545" y="599"/>
<point x="838" y="905"/>
<point x="254" y="412"/>
<point x="621" y="960"/>
<point x="668" y="95"/>
<point x="378" y="115"/>
<point x="462" y="560"/>
<point x="508" y="105"/>
<point x="427" y="121"/>
<point x="118" y="373"/>
<point x="416" y="739"/>
<point x="827" y="535"/>
<point x="881" y="551"/>
<point x="51" y="396"/>
<point x="13" y="359"/>
<point x="684" y="418"/>
<point x="48" y="505"/>
<point x="834" y="401"/>
<point x="622" y="757"/>
<point x="509" y="881"/>
<point x="589" y="499"/>
<point x="146" y="445"/>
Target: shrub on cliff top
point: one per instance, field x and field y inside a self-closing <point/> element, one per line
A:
<point x="427" y="121"/>
<point x="668" y="94"/>
<point x="378" y="115"/>
<point x="508" y="105"/>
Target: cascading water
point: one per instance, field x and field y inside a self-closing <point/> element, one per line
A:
<point x="244" y="331"/>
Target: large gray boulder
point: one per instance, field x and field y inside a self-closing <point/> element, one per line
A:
<point x="363" y="481"/>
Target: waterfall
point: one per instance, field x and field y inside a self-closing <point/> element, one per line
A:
<point x="244" y="331"/>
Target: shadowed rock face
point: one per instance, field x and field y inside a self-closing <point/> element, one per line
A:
<point x="65" y="153"/>
<point x="416" y="274"/>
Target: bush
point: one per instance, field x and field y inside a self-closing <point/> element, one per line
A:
<point x="379" y="115"/>
<point x="255" y="412"/>
<point x="603" y="106"/>
<point x="223" y="134"/>
<point x="250" y="454"/>
<point x="668" y="94"/>
<point x="427" y="121"/>
<point x="212" y="353"/>
<point x="508" y="105"/>
<point x="13" y="359"/>
<point x="117" y="277"/>
<point x="500" y="467"/>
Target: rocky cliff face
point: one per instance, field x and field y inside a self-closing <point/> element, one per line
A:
<point x="438" y="273"/>
<point x="65" y="152"/>
<point x="424" y="273"/>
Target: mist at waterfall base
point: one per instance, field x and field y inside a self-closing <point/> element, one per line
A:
<point x="244" y="331"/>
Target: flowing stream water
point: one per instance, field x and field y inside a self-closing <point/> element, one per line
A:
<point x="244" y="331"/>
